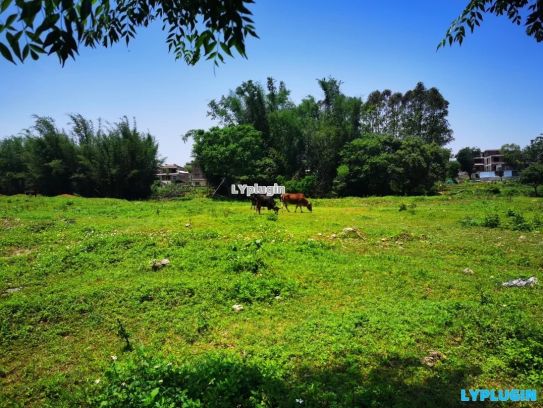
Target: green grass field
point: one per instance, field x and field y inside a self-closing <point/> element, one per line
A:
<point x="327" y="321"/>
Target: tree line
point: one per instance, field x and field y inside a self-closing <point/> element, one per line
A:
<point x="94" y="161"/>
<point x="387" y="143"/>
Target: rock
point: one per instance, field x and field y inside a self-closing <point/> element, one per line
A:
<point x="520" y="283"/>
<point x="433" y="358"/>
<point x="237" y="308"/>
<point x="350" y="232"/>
<point x="333" y="236"/>
<point x="468" y="271"/>
<point x="13" y="290"/>
<point x="188" y="225"/>
<point x="160" y="264"/>
<point x="522" y="238"/>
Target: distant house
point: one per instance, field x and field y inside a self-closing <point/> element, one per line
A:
<point x="173" y="173"/>
<point x="491" y="166"/>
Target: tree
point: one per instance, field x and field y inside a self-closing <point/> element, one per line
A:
<point x="417" y="167"/>
<point x="13" y="170"/>
<point x="532" y="175"/>
<point x="465" y="157"/>
<point x="235" y="153"/>
<point x="419" y="112"/>
<point x="382" y="164"/>
<point x="527" y="12"/>
<point x="209" y="28"/>
<point x="247" y="105"/>
<point x="50" y="158"/>
<point x="116" y="162"/>
<point x="453" y="167"/>
<point x="364" y="166"/>
<point x="425" y="115"/>
<point x="534" y="152"/>
<point x="513" y="156"/>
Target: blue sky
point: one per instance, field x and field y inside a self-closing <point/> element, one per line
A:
<point x="493" y="81"/>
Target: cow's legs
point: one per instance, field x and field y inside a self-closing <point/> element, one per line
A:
<point x="286" y="206"/>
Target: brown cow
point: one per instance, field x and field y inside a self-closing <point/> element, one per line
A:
<point x="296" y="198"/>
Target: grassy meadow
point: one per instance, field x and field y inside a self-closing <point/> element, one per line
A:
<point x="403" y="312"/>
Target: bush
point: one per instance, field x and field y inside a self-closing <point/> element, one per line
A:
<point x="306" y="185"/>
<point x="469" y="222"/>
<point x="519" y="223"/>
<point x="210" y="381"/>
<point x="491" y="221"/>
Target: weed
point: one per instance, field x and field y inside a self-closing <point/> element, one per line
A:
<point x="124" y="335"/>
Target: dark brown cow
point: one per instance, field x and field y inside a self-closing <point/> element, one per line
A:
<point x="296" y="198"/>
<point x="261" y="200"/>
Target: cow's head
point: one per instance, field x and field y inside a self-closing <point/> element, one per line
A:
<point x="310" y="206"/>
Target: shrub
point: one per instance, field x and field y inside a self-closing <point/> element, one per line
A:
<point x="519" y="223"/>
<point x="210" y="381"/>
<point x="491" y="221"/>
<point x="469" y="222"/>
<point x="247" y="263"/>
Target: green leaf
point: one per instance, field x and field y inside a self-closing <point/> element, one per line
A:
<point x="29" y="11"/>
<point x="5" y="53"/>
<point x="154" y="393"/>
<point x="226" y="49"/>
<point x="26" y="50"/>
<point x="4" y="5"/>
<point x="85" y="9"/>
<point x="13" y="41"/>
<point x="10" y="20"/>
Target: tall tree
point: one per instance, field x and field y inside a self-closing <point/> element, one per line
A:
<point x="233" y="153"/>
<point x="513" y="156"/>
<point x="51" y="158"/>
<point x="247" y="105"/>
<point x="533" y="175"/>
<point x="534" y="151"/>
<point x="116" y="162"/>
<point x="209" y="28"/>
<point x="465" y="157"/>
<point x="419" y="112"/>
<point x="13" y="169"/>
<point x="425" y="115"/>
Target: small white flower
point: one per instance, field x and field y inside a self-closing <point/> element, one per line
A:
<point x="160" y="381"/>
<point x="114" y="358"/>
<point x="299" y="400"/>
<point x="97" y="381"/>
